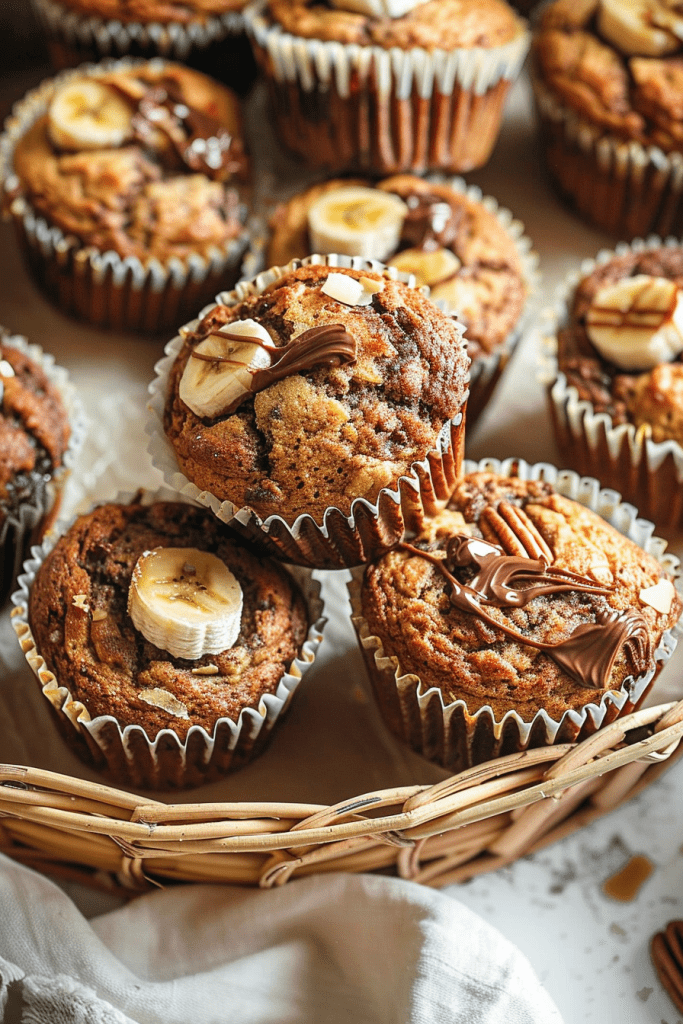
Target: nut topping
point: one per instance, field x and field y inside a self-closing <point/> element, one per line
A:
<point x="511" y="529"/>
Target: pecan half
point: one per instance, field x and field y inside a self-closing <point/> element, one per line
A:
<point x="513" y="531"/>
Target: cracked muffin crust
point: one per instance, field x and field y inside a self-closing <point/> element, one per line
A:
<point x="469" y="653"/>
<point x="79" y="618"/>
<point x="182" y="11"/>
<point x="323" y="436"/>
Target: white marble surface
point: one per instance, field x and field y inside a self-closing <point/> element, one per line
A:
<point x="590" y="950"/>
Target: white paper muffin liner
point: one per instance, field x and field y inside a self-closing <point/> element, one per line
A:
<point x="34" y="517"/>
<point x="450" y="100"/>
<point x="486" y="369"/>
<point x="111" y="38"/>
<point x="646" y="472"/>
<point x="341" y="539"/>
<point x="166" y="762"/>
<point x="456" y="736"/>
<point x="105" y="288"/>
<point x="619" y="185"/>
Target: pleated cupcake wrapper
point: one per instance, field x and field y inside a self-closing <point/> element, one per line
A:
<point x="646" y="472"/>
<point x="620" y="185"/>
<point x="343" y="105"/>
<point x="341" y="539"/>
<point x="458" y="737"/>
<point x="108" y="37"/>
<point x="22" y="525"/>
<point x="127" y="753"/>
<point x="104" y="288"/>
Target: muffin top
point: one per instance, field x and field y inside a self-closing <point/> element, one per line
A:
<point x="623" y="343"/>
<point x="436" y="24"/>
<point x="34" y="429"/>
<point x="78" y="611"/>
<point x="447" y="240"/>
<point x="137" y="161"/>
<point x="361" y="391"/>
<point x="618" y="64"/>
<point x="143" y="11"/>
<point x="518" y="598"/>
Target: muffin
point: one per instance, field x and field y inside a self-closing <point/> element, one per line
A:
<point x="331" y="449"/>
<point x="617" y="396"/>
<point x="206" y="34"/>
<point x="38" y="445"/>
<point x="470" y="252"/>
<point x="608" y="77"/>
<point x="166" y="648"/>
<point x="519" y="618"/>
<point x="120" y="180"/>
<point x="353" y="90"/>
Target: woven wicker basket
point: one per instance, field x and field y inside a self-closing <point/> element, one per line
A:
<point x="471" y="823"/>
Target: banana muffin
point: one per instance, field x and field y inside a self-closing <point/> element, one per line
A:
<point x="133" y="167"/>
<point x="324" y="389"/>
<point x="155" y="616"/>
<point x="462" y="248"/>
<point x="608" y="80"/>
<point x="400" y="86"/>
<point x="518" y="601"/>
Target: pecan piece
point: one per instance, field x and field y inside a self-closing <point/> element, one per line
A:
<point x="510" y="528"/>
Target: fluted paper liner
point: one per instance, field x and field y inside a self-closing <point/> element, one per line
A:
<point x="341" y="540"/>
<point x="127" y="754"/>
<point x="22" y="525"/>
<point x="620" y="185"/>
<point x="346" y="106"/>
<point x="105" y="288"/>
<point x="457" y="736"/>
<point x="648" y="473"/>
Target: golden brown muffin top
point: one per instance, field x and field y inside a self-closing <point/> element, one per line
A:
<point x="406" y="600"/>
<point x="437" y="24"/>
<point x="634" y="94"/>
<point x="34" y="428"/>
<point x="488" y="291"/>
<point x="323" y="437"/>
<point x="140" y="198"/>
<point x="143" y="11"/>
<point x="78" y="614"/>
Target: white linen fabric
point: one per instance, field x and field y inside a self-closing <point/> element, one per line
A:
<point x="329" y="949"/>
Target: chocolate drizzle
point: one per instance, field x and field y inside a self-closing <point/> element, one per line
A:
<point x="430" y="222"/>
<point x="588" y="654"/>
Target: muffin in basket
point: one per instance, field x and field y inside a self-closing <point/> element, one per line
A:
<point x="519" y="618"/>
<point x="472" y="254"/>
<point x="41" y="430"/>
<point x="320" y="406"/>
<point x="617" y="398"/>
<point x="166" y="648"/>
<point x="400" y="86"/>
<point x="608" y="77"/>
<point x="120" y="180"/>
<point x="206" y="34"/>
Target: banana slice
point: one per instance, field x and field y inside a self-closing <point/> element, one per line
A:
<point x="356" y="221"/>
<point x="637" y="323"/>
<point x="430" y="266"/>
<point x="640" y="27"/>
<point x="218" y="374"/>
<point x="378" y="8"/>
<point x="86" y="114"/>
<point x="185" y="601"/>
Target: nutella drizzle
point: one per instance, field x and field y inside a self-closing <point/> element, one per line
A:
<point x="588" y="654"/>
<point x="430" y="222"/>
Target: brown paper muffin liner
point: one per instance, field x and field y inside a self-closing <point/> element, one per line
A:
<point x="340" y="540"/>
<point x="126" y="754"/>
<point x="646" y="472"/>
<point x="216" y="44"/>
<point x="349" y="107"/>
<point x="458" y="737"/>
<point x="619" y="185"/>
<point x="26" y="525"/>
<point x="104" y="288"/>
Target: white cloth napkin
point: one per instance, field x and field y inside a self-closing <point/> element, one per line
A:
<point x="326" y="950"/>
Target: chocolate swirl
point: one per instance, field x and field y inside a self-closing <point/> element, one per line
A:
<point x="588" y="654"/>
<point x="430" y="222"/>
<point x="666" y="951"/>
